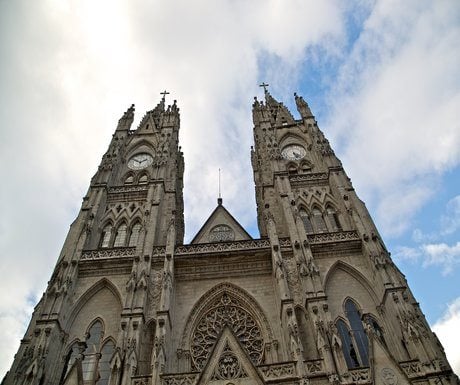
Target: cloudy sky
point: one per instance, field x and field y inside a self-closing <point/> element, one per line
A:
<point x="382" y="78"/>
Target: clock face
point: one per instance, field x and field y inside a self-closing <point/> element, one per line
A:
<point x="293" y="152"/>
<point x="140" y="161"/>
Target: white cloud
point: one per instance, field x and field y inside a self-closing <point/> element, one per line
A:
<point x="431" y="254"/>
<point x="450" y="222"/>
<point x="443" y="255"/>
<point x="446" y="328"/>
<point x="395" y="107"/>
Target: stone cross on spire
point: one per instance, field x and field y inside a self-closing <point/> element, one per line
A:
<point x="264" y="85"/>
<point x="164" y="93"/>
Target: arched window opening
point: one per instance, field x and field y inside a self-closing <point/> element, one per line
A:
<point x="120" y="237"/>
<point x="306" y="221"/>
<point x="349" y="350"/>
<point x="306" y="167"/>
<point x="292" y="169"/>
<point x="134" y="236"/>
<point x="318" y="221"/>
<point x="143" y="179"/>
<point x="333" y="219"/>
<point x="104" y="362"/>
<point x="69" y="360"/>
<point x="129" y="180"/>
<point x="376" y="329"/>
<point x="106" y="235"/>
<point x="357" y="331"/>
<point x="90" y="362"/>
<point x="96" y="357"/>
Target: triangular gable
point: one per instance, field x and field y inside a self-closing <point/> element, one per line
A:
<point x="221" y="226"/>
<point x="386" y="370"/>
<point x="75" y="374"/>
<point x="229" y="361"/>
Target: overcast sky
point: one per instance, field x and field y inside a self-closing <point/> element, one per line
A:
<point x="382" y="78"/>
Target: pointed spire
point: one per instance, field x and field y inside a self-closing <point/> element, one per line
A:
<point x="126" y="120"/>
<point x="302" y="107"/>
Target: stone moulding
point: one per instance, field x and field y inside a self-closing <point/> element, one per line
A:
<point x="285" y="370"/>
<point x="313" y="178"/>
<point x="118" y="252"/>
<point x="179" y="379"/>
<point x="314" y="367"/>
<point x="358" y="376"/>
<point x="339" y="236"/>
<point x="222" y="247"/>
<point x="141" y="380"/>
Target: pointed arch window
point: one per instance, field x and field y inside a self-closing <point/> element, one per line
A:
<point x="355" y="343"/>
<point x="348" y="347"/>
<point x="357" y="331"/>
<point x="134" y="236"/>
<point x="129" y="179"/>
<point x="306" y="221"/>
<point x="333" y="219"/>
<point x="143" y="179"/>
<point x="69" y="360"/>
<point x="120" y="237"/>
<point x="318" y="221"/>
<point x="376" y="329"/>
<point x="106" y="235"/>
<point x="96" y="357"/>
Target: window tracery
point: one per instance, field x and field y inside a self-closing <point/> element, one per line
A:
<point x="120" y="237"/>
<point x="225" y="310"/>
<point x="355" y="344"/>
<point x="306" y="221"/>
<point x="134" y="236"/>
<point x="333" y="219"/>
<point x="318" y="221"/>
<point x="221" y="233"/>
<point x="106" y="235"/>
<point x="96" y="357"/>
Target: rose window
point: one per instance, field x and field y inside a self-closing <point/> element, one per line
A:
<point x="221" y="233"/>
<point x="225" y="311"/>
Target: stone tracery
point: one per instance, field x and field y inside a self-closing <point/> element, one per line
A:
<point x="226" y="310"/>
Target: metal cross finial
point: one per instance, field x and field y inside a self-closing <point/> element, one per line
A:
<point x="264" y="85"/>
<point x="164" y="93"/>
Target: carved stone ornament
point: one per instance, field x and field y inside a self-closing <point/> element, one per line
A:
<point x="228" y="367"/>
<point x="389" y="376"/>
<point x="225" y="311"/>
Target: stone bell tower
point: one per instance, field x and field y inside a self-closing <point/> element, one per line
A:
<point x="94" y="322"/>
<point x="346" y="311"/>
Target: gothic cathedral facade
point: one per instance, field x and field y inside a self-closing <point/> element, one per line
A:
<point x="315" y="300"/>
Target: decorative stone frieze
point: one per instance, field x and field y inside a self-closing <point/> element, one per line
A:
<point x="116" y="252"/>
<point x="278" y="371"/>
<point x="179" y="379"/>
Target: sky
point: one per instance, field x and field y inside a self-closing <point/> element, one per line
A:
<point x="381" y="77"/>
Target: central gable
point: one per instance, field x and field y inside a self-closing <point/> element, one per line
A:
<point x="221" y="226"/>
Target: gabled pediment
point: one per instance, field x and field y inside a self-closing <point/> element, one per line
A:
<point x="229" y="362"/>
<point x="221" y="226"/>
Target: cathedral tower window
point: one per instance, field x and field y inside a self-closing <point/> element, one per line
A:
<point x="120" y="237"/>
<point x="129" y="179"/>
<point x="333" y="219"/>
<point x="96" y="361"/>
<point x="106" y="235"/>
<point x="318" y="221"/>
<point x="143" y="179"/>
<point x="355" y="343"/>
<point x="134" y="235"/>
<point x="306" y="221"/>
